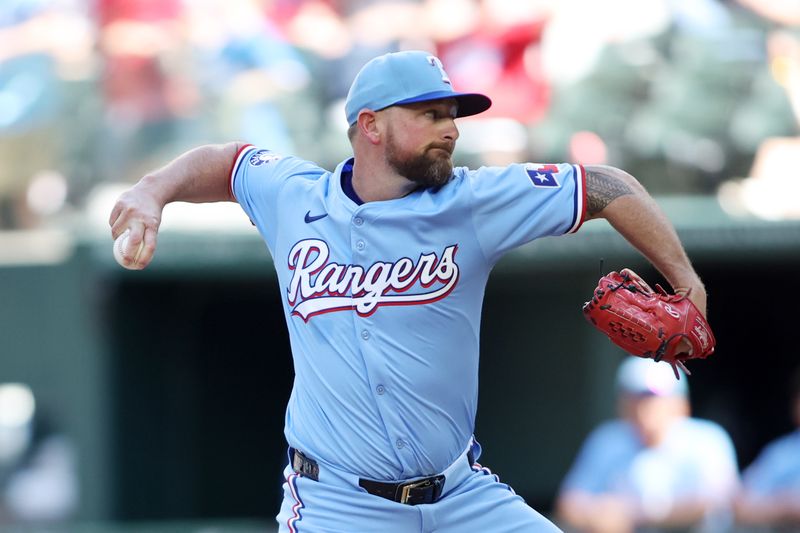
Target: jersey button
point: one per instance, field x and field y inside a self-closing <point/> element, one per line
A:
<point x="358" y="221"/>
<point x="364" y="334"/>
<point x="360" y="245"/>
<point x="400" y="444"/>
<point x="380" y="389"/>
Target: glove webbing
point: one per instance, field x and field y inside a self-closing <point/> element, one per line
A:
<point x="662" y="348"/>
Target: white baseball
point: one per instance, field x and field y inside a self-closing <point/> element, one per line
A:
<point x="119" y="246"/>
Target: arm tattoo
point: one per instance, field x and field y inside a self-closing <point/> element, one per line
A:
<point x="603" y="185"/>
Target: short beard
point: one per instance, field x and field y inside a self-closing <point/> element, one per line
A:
<point x="423" y="169"/>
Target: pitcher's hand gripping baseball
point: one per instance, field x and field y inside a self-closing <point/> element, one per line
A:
<point x="653" y="324"/>
<point x="134" y="222"/>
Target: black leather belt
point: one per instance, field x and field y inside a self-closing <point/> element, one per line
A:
<point x="414" y="492"/>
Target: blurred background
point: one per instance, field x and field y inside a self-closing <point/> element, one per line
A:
<point x="153" y="401"/>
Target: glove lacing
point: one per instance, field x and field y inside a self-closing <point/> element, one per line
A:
<point x="674" y="298"/>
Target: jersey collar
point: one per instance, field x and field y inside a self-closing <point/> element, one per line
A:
<point x="347" y="181"/>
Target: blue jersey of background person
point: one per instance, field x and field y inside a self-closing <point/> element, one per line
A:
<point x="383" y="299"/>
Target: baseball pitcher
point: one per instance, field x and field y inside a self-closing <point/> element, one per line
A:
<point x="382" y="265"/>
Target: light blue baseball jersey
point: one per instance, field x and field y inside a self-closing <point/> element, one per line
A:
<point x="776" y="469"/>
<point x="383" y="300"/>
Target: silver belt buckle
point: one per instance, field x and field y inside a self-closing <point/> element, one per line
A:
<point x="297" y="462"/>
<point x="405" y="494"/>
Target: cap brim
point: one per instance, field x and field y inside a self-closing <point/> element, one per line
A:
<point x="468" y="103"/>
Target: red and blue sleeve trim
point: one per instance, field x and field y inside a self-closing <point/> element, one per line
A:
<point x="579" y="203"/>
<point x="237" y="160"/>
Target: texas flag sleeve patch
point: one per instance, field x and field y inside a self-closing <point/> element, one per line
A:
<point x="543" y="175"/>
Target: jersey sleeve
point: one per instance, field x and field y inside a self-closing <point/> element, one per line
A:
<point x="516" y="204"/>
<point x="256" y="178"/>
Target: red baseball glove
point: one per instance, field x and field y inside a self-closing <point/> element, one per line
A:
<point x="649" y="323"/>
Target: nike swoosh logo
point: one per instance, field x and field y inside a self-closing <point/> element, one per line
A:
<point x="309" y="219"/>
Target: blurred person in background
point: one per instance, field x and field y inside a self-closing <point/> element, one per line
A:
<point x="770" y="494"/>
<point x="146" y="83"/>
<point x="676" y="90"/>
<point x="775" y="154"/>
<point x="495" y="45"/>
<point x="42" y="45"/>
<point x="654" y="467"/>
<point x="247" y="72"/>
<point x="497" y="49"/>
<point x="38" y="474"/>
<point x="767" y="190"/>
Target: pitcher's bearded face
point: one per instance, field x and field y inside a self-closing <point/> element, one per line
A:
<point x="420" y="139"/>
<point x="430" y="167"/>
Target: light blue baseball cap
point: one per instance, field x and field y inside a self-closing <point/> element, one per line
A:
<point x="644" y="377"/>
<point x="404" y="78"/>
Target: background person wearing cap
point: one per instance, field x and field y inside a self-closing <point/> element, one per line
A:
<point x="382" y="265"/>
<point x="653" y="467"/>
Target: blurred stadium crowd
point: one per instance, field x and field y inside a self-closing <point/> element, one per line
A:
<point x="679" y="92"/>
